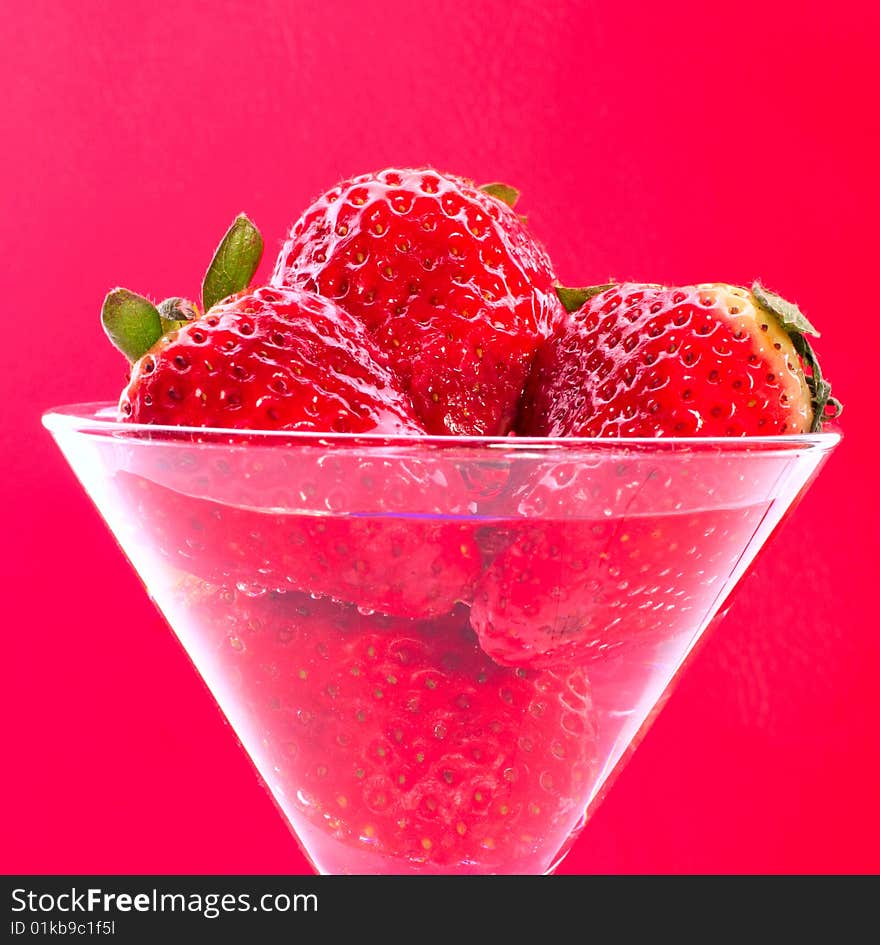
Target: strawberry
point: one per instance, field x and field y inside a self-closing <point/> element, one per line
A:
<point x="326" y="523"/>
<point x="402" y="741"/>
<point x="624" y="553"/>
<point x="262" y="521"/>
<point x="567" y="591"/>
<point x="701" y="360"/>
<point x="446" y="279"/>
<point x="275" y="358"/>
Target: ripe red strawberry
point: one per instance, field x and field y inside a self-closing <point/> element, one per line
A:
<point x="445" y="277"/>
<point x="570" y="591"/>
<point x="702" y="360"/>
<point x="275" y="358"/>
<point x="329" y="520"/>
<point x="400" y="746"/>
<point x="263" y="521"/>
<point x="628" y="553"/>
<point x="287" y="359"/>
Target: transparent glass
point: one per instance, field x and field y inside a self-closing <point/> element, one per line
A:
<point x="435" y="651"/>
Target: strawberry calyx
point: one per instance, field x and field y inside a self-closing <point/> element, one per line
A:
<point x="797" y="327"/>
<point x="234" y="264"/>
<point x="503" y="192"/>
<point x="134" y="324"/>
<point x="573" y="298"/>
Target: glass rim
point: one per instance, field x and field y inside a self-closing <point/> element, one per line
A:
<point x="87" y="418"/>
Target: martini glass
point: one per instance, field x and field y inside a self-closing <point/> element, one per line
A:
<point x="436" y="651"/>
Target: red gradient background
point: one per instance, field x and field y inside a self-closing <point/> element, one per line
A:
<point x="667" y="142"/>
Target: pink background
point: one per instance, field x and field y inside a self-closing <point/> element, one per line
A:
<point x="696" y="142"/>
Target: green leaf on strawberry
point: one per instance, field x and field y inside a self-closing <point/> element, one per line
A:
<point x="503" y="192"/>
<point x="789" y="315"/>
<point x="235" y="261"/>
<point x="573" y="299"/>
<point x="132" y="323"/>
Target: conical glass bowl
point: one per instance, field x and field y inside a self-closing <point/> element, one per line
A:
<point x="435" y="651"/>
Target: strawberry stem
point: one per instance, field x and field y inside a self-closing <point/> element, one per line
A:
<point x="825" y="405"/>
<point x="175" y="313"/>
<point x="178" y="310"/>
<point x="234" y="264"/>
<point x="573" y="299"/>
<point x="132" y="323"/>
